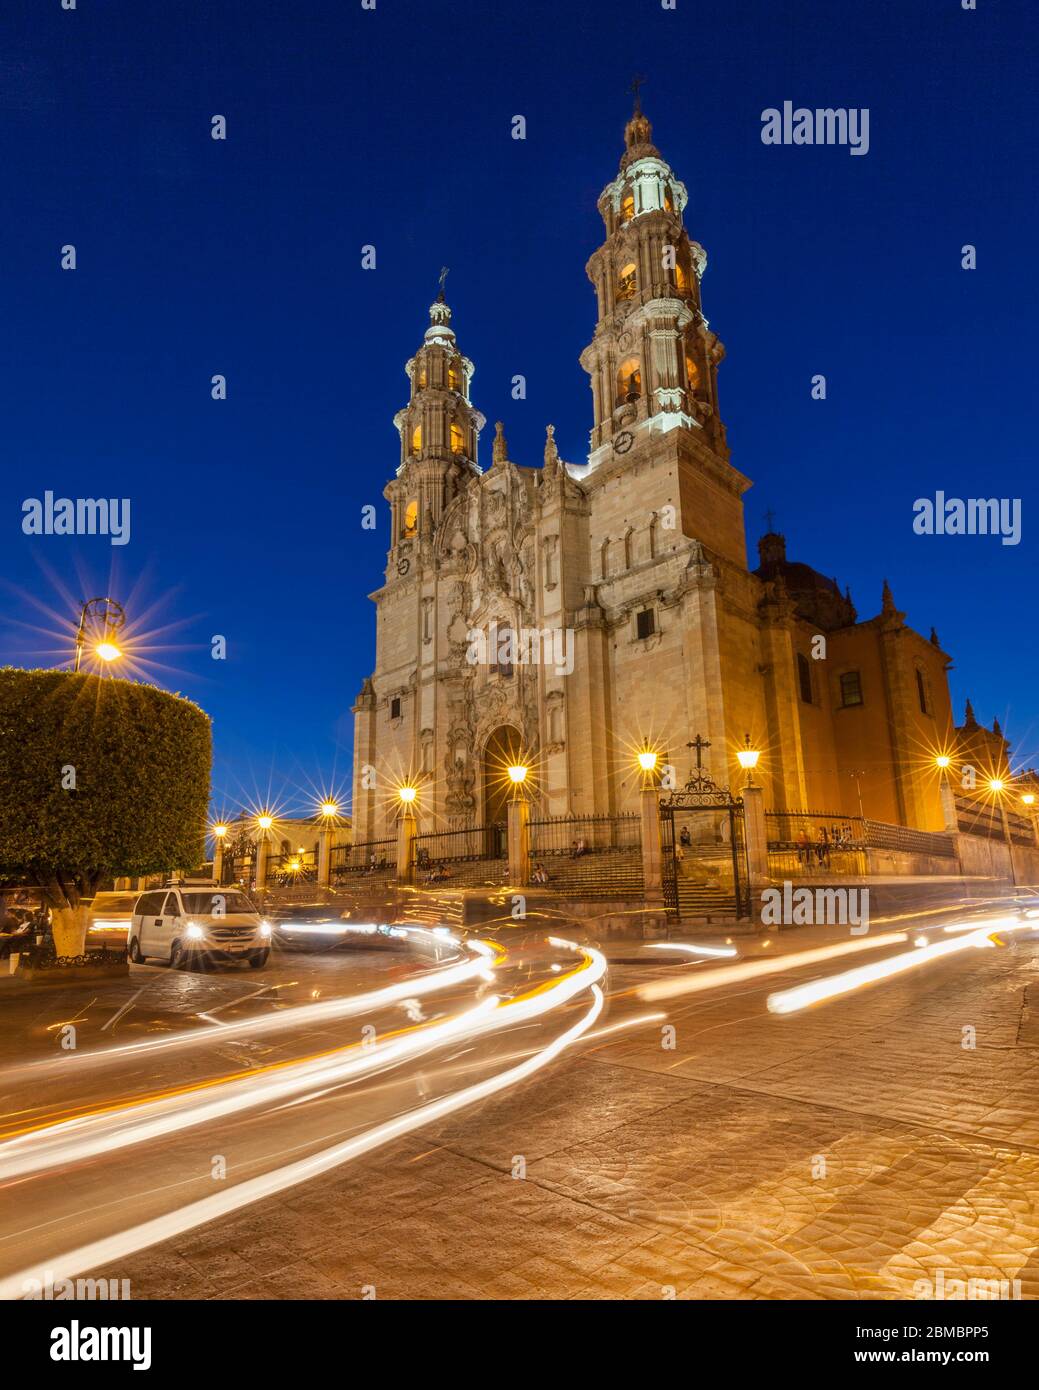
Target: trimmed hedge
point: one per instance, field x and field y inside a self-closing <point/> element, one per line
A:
<point x="142" y="761"/>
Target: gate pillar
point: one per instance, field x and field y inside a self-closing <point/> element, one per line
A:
<point x="406" y="832"/>
<point x="652" y="867"/>
<point x="519" y="840"/>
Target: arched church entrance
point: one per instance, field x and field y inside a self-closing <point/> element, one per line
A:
<point x="501" y="750"/>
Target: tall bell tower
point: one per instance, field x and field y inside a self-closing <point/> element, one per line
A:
<point x="439" y="437"/>
<point x="653" y="361"/>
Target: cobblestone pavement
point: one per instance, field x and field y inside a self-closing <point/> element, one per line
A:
<point x="845" y="1152"/>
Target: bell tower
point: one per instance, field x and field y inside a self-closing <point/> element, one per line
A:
<point x="439" y="438"/>
<point x="653" y="361"/>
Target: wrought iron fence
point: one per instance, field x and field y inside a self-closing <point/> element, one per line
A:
<point x="292" y="868"/>
<point x="468" y="857"/>
<point x="881" y="835"/>
<point x="574" y="836"/>
<point x="803" y="843"/>
<point x="368" y="861"/>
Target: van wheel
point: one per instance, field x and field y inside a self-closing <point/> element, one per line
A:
<point x="135" y="952"/>
<point x="258" y="959"/>
<point x="178" y="957"/>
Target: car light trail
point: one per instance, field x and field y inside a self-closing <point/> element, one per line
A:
<point x="194" y="1214"/>
<point x="443" y="978"/>
<point x="801" y="996"/>
<point x="727" y="952"/>
<point x="118" y="1127"/>
<point x="753" y="969"/>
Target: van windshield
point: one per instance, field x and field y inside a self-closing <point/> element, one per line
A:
<point x="216" y="904"/>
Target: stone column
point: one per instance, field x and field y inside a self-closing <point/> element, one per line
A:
<point x="260" y="881"/>
<point x="324" y="856"/>
<point x="519" y="841"/>
<point x="652" y="859"/>
<point x="406" y="832"/>
<point x="756" y="831"/>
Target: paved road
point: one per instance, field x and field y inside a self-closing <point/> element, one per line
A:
<point x="847" y="1151"/>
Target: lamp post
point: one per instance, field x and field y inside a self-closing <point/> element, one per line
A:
<point x="517" y="828"/>
<point x="747" y="757"/>
<point x="219" y="835"/>
<point x="997" y="786"/>
<point x="329" y="812"/>
<point x="110" y="617"/>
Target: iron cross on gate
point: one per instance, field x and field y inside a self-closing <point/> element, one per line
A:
<point x="699" y="743"/>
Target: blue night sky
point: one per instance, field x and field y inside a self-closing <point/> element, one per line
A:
<point x="392" y="127"/>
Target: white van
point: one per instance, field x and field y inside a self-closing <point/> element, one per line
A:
<point x="187" y="925"/>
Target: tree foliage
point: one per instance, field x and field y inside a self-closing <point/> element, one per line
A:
<point x="98" y="777"/>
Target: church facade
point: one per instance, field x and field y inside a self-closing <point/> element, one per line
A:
<point x="570" y="615"/>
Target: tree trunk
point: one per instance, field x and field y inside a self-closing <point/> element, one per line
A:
<point x="69" y="925"/>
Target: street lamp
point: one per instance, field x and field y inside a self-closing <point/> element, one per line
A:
<point x="747" y="757"/>
<point x="407" y="794"/>
<point x="265" y="821"/>
<point x="1029" y="798"/>
<point x="329" y="809"/>
<point x="108" y="616"/>
<point x="943" y="761"/>
<point x="219" y="831"/>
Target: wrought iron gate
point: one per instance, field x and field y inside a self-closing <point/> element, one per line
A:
<point x="704" y="851"/>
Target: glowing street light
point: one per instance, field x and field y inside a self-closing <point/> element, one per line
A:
<point x="996" y="784"/>
<point x="747" y="757"/>
<point x="1029" y="798"/>
<point x="219" y="831"/>
<point x="518" y="773"/>
<point x="329" y="809"/>
<point x="265" y="821"/>
<point x="943" y="761"/>
<point x="108" y="616"/>
<point x="407" y="794"/>
<point x="647" y="760"/>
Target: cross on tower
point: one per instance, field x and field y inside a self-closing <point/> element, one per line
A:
<point x="444" y="272"/>
<point x="636" y="83"/>
<point x="770" y="520"/>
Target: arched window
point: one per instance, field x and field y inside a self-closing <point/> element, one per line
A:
<point x="457" y="440"/>
<point x="416" y="440"/>
<point x="680" y="276"/>
<point x="669" y="202"/>
<point x="454" y="378"/>
<point x="627" y="282"/>
<point x="692" y="373"/>
<point x="628" y="206"/>
<point x="629" y="380"/>
<point x="421" y="377"/>
<point x="411" y="519"/>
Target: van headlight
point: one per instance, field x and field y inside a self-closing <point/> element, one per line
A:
<point x="194" y="932"/>
<point x="265" y="928"/>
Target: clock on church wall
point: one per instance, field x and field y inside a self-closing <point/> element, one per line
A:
<point x="622" y="442"/>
